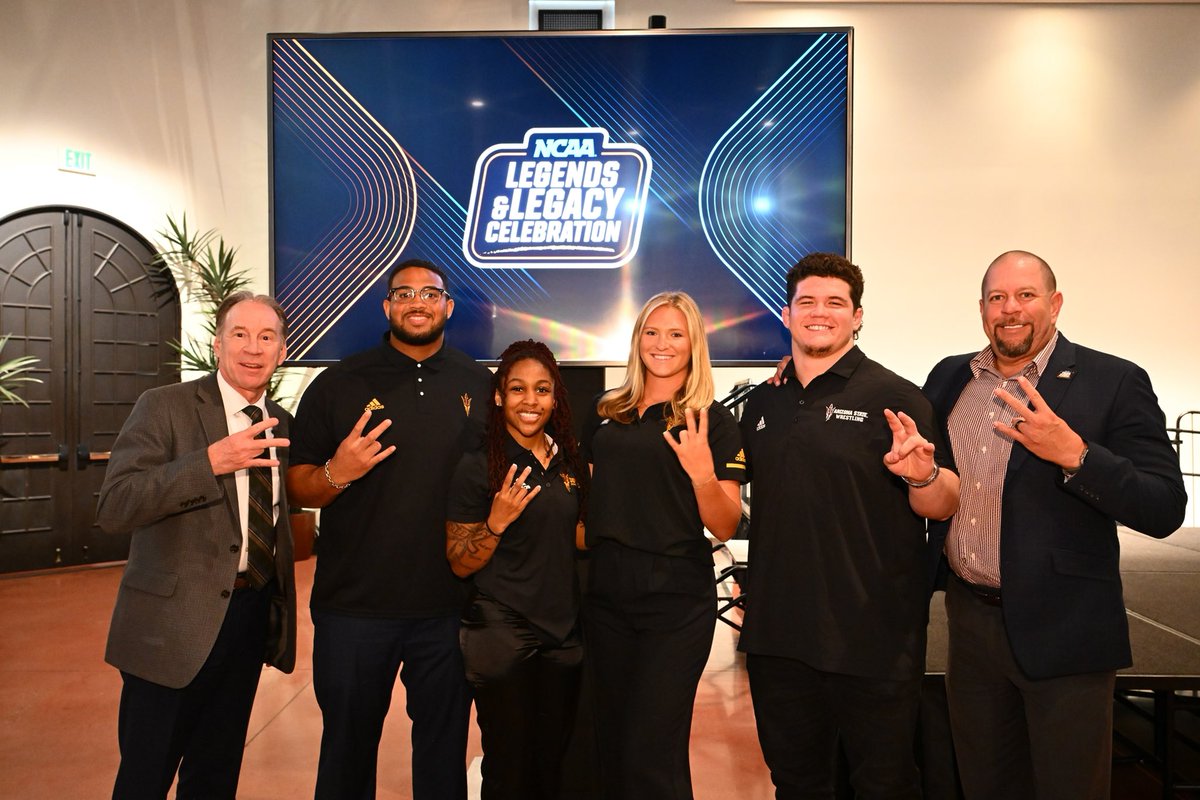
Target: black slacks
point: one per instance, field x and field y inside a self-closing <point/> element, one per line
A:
<point x="648" y="630"/>
<point x="199" y="730"/>
<point x="801" y="713"/>
<point x="526" y="695"/>
<point x="355" y="663"/>
<point x="1016" y="738"/>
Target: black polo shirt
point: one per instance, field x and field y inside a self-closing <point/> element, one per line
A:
<point x="837" y="563"/>
<point x="533" y="568"/>
<point x="640" y="495"/>
<point x="383" y="540"/>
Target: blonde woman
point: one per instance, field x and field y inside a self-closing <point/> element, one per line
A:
<point x="666" y="464"/>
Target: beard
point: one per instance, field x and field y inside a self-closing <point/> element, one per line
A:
<point x="818" y="352"/>
<point x="824" y="350"/>
<point x="1015" y="349"/>
<point x="428" y="337"/>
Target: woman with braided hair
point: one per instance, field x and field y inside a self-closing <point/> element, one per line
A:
<point x="514" y="519"/>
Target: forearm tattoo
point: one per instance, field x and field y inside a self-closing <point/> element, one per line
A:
<point x="469" y="543"/>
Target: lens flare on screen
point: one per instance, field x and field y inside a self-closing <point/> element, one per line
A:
<point x="567" y="341"/>
<point x="712" y="326"/>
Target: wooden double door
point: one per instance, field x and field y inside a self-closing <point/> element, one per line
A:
<point x="77" y="292"/>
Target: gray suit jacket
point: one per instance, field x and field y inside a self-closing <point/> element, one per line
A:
<point x="184" y="552"/>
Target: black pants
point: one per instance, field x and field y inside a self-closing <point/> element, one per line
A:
<point x="1016" y="737"/>
<point x="199" y="730"/>
<point x="648" y="630"/>
<point x="355" y="662"/>
<point x="802" y="713"/>
<point x="526" y="694"/>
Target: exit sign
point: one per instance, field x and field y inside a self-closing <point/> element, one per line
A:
<point x="78" y="161"/>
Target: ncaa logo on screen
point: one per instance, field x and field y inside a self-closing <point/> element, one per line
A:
<point x="563" y="198"/>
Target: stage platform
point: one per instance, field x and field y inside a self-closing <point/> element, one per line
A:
<point x="1161" y="579"/>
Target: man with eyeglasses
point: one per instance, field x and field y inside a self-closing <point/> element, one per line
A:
<point x="376" y="439"/>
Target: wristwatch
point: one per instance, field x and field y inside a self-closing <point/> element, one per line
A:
<point x="1070" y="473"/>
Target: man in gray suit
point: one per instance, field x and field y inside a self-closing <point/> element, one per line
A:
<point x="208" y="593"/>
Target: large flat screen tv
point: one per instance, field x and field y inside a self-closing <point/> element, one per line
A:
<point x="560" y="179"/>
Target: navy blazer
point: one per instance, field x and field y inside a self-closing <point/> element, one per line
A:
<point x="1059" y="553"/>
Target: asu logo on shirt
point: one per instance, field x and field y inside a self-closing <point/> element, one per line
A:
<point x="844" y="414"/>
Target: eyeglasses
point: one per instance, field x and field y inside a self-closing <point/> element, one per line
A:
<point x="406" y="294"/>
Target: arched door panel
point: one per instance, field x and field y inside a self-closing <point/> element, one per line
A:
<point x="77" y="292"/>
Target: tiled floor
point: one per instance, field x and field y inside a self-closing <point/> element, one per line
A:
<point x="58" y="706"/>
<point x="58" y="709"/>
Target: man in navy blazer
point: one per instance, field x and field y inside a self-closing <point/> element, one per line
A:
<point x="1056" y="444"/>
<point x="202" y="605"/>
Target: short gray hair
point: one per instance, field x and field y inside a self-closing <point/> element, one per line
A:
<point x="241" y="297"/>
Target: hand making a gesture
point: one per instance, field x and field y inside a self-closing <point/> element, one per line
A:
<point x="511" y="500"/>
<point x="358" y="453"/>
<point x="692" y="449"/>
<point x="911" y="456"/>
<point x="241" y="450"/>
<point x="1039" y="429"/>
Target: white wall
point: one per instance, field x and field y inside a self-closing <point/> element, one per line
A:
<point x="1073" y="131"/>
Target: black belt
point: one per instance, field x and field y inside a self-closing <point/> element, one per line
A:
<point x="987" y="594"/>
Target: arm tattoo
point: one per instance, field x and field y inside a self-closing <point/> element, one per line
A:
<point x="469" y="544"/>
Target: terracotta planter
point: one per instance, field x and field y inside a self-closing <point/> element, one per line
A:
<point x="304" y="533"/>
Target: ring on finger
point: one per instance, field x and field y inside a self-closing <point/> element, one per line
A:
<point x="526" y="486"/>
<point x="1016" y="425"/>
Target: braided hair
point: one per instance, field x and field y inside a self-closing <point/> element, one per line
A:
<point x="558" y="426"/>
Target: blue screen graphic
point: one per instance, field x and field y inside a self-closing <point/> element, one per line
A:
<point x="559" y="179"/>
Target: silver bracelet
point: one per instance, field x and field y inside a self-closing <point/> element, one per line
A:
<point x="338" y="486"/>
<point x="937" y="468"/>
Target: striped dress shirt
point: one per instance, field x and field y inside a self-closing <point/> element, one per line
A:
<point x="981" y="455"/>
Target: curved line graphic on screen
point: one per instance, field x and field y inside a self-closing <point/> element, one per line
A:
<point x="382" y="183"/>
<point x="776" y="133"/>
<point x="443" y="221"/>
<point x="600" y="94"/>
<point x="378" y="179"/>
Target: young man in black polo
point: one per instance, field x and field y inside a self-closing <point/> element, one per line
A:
<point x="376" y="440"/>
<point x="846" y="463"/>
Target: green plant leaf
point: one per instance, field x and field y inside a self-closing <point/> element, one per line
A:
<point x="13" y="372"/>
<point x="204" y="266"/>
